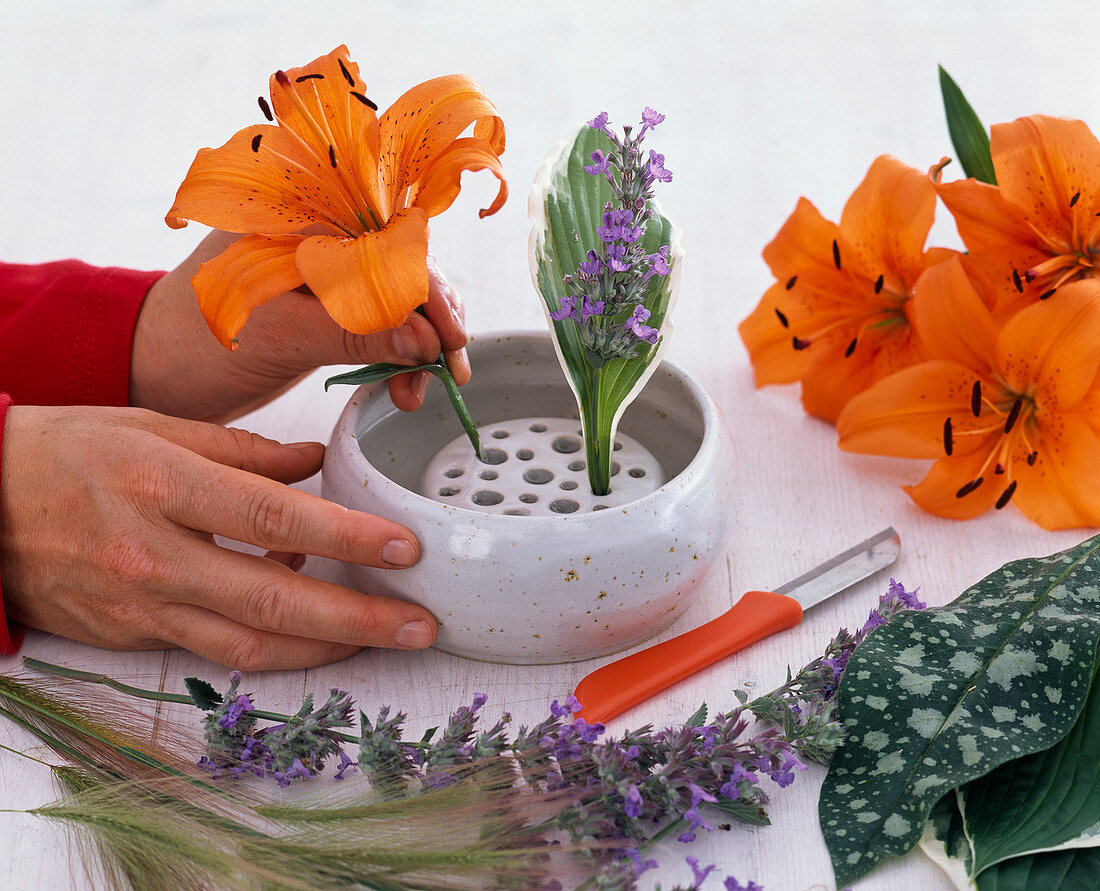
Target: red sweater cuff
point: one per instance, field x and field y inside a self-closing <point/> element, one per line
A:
<point x="67" y="329"/>
<point x="11" y="636"/>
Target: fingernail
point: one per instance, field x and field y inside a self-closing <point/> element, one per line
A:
<point x="298" y="562"/>
<point x="414" y="635"/>
<point x="458" y="316"/>
<point x="304" y="446"/>
<point x="405" y="343"/>
<point x="398" y="552"/>
<point x="419" y="384"/>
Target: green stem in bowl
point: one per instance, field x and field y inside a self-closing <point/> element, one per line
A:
<point x="381" y="371"/>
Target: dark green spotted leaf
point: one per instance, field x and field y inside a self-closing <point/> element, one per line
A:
<point x="968" y="136"/>
<point x="940" y="697"/>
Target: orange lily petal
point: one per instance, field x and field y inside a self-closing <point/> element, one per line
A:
<point x="1054" y="346"/>
<point x="440" y="183"/>
<point x="886" y="221"/>
<point x="889" y="418"/>
<point x="325" y="104"/>
<point x="1062" y="489"/>
<point x="245" y="275"/>
<point x="372" y="282"/>
<point x="424" y="121"/>
<point x="1042" y="163"/>
<point x="262" y="181"/>
<point x="801" y="247"/>
<point x="774" y="359"/>
<point x="938" y="492"/>
<point x="838" y="375"/>
<point x="951" y="316"/>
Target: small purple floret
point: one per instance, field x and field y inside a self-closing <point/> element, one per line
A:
<point x="601" y="164"/>
<point x="567" y="310"/>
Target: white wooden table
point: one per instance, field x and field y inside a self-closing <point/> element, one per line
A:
<point x="104" y="105"/>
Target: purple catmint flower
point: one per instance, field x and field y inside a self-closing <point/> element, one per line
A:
<point x="592" y="266"/>
<point x="640" y="865"/>
<point x="731" y="789"/>
<point x="699" y="874"/>
<point x="907" y="598"/>
<point x="599" y="122"/>
<point x="233" y="714"/>
<point x="590" y="307"/>
<point x="874" y="620"/>
<point x="636" y="324"/>
<point x="601" y="164"/>
<point x="617" y="260"/>
<point x="655" y="169"/>
<point x="650" y="119"/>
<point x="733" y="885"/>
<point x="570" y="707"/>
<point x="784" y="776"/>
<point x="632" y="805"/>
<point x="567" y="309"/>
<point x="615" y="222"/>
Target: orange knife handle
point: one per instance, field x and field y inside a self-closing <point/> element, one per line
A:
<point x="613" y="689"/>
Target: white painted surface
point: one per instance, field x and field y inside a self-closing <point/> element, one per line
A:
<point x="105" y="104"/>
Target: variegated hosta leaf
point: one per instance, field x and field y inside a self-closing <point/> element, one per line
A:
<point x="1049" y="801"/>
<point x="566" y="206"/>
<point x="940" y="697"/>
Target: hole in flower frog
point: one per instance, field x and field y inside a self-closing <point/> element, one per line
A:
<point x="537" y="428"/>
<point x="615" y="467"/>
<point x="495" y="456"/>
<point x="537" y="476"/>
<point x="618" y="446"/>
<point x="576" y="465"/>
<point x="500" y="434"/>
<point x="448" y="491"/>
<point x="528" y="498"/>
<point x="525" y="454"/>
<point x="569" y="485"/>
<point x="453" y="472"/>
<point x="517" y="512"/>
<point x="488" y="474"/>
<point x="487" y="497"/>
<point x="636" y="472"/>
<point x="599" y="507"/>
<point x="564" y="506"/>
<point x="566" y="445"/>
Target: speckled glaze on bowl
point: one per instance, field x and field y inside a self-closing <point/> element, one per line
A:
<point x="540" y="589"/>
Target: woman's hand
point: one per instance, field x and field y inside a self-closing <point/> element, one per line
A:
<point x="107" y="518"/>
<point x="179" y="368"/>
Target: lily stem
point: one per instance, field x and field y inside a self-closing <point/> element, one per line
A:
<point x="448" y="381"/>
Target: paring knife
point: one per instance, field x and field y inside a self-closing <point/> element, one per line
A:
<point x="612" y="689"/>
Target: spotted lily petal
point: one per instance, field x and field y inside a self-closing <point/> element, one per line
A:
<point x="263" y="181"/>
<point x="440" y="183"/>
<point x="1061" y="490"/>
<point x="424" y="121"/>
<point x="372" y="282"/>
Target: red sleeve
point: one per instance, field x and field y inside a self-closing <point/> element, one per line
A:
<point x="66" y="330"/>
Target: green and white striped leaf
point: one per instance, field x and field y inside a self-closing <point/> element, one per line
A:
<point x="941" y="697"/>
<point x="566" y="206"/>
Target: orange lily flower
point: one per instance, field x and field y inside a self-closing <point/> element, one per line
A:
<point x="1039" y="227"/>
<point x="837" y="319"/>
<point x="1009" y="413"/>
<point x="364" y="185"/>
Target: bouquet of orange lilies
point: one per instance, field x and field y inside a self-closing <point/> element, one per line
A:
<point x="987" y="362"/>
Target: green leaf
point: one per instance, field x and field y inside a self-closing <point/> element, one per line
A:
<point x="699" y="718"/>
<point x="967" y="133"/>
<point x="940" y="697"/>
<point x="1058" y="871"/>
<point x="567" y="206"/>
<point x="744" y="810"/>
<point x="380" y="371"/>
<point x="1041" y="802"/>
<point x="202" y="694"/>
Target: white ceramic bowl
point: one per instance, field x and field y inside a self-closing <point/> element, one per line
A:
<point x="540" y="589"/>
